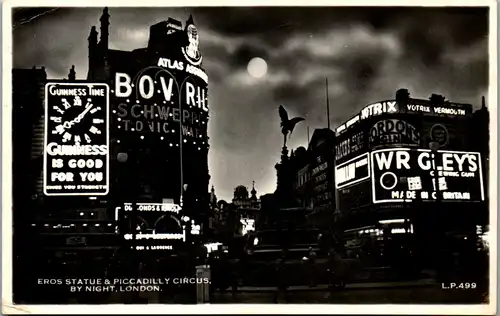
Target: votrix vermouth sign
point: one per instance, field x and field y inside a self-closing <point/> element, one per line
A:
<point x="76" y="153"/>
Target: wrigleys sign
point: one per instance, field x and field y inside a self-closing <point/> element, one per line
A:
<point x="413" y="106"/>
<point x="404" y="174"/>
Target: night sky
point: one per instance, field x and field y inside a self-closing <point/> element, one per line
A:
<point x="366" y="53"/>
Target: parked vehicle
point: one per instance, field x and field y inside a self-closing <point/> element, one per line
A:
<point x="264" y="248"/>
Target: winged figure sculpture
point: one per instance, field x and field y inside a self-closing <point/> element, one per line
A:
<point x="287" y="125"/>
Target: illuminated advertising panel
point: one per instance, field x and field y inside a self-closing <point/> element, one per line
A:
<point x="393" y="132"/>
<point x="154" y="226"/>
<point x="321" y="182"/>
<point x="352" y="171"/>
<point x="413" y="106"/>
<point x="352" y="143"/>
<point x="76" y="151"/>
<point x="160" y="113"/>
<point x="159" y="97"/>
<point x="164" y="96"/>
<point x="406" y="175"/>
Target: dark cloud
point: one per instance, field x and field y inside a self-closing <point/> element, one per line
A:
<point x="367" y="53"/>
<point x="289" y="92"/>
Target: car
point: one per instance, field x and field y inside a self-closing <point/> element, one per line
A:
<point x="264" y="248"/>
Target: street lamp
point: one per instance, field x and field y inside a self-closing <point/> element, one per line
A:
<point x="122" y="158"/>
<point x="434" y="147"/>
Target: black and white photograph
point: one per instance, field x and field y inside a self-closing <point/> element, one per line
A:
<point x="302" y="158"/>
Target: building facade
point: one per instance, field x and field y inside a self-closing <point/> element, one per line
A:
<point x="27" y="112"/>
<point x="158" y="122"/>
<point x="408" y="176"/>
<point x="159" y="116"/>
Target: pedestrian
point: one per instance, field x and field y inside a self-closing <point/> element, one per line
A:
<point x="312" y="267"/>
<point x="331" y="268"/>
<point x="281" y="278"/>
<point x="225" y="274"/>
<point x="235" y="268"/>
<point x="339" y="267"/>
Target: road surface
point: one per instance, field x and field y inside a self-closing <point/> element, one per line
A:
<point x="433" y="294"/>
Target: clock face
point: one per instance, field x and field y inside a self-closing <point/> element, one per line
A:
<point x="77" y="120"/>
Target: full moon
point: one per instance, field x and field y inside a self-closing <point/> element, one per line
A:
<point x="257" y="68"/>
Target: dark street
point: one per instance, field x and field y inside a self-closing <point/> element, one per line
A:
<point x="416" y="295"/>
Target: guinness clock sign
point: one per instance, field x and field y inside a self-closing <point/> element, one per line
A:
<point x="76" y="153"/>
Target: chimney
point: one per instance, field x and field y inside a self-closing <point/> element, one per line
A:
<point x="483" y="102"/>
<point x="72" y="74"/>
<point x="92" y="38"/>
<point x="437" y="99"/>
<point x="104" y="29"/>
<point x="402" y="96"/>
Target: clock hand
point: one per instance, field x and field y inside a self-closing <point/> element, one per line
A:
<point x="79" y="117"/>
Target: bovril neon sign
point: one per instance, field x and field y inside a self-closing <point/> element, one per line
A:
<point x="147" y="86"/>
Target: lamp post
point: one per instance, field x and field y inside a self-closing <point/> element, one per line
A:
<point x="123" y="158"/>
<point x="434" y="147"/>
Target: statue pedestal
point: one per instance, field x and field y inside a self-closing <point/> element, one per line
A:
<point x="285" y="174"/>
<point x="284" y="154"/>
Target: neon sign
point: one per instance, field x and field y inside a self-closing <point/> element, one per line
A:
<point x="379" y="108"/>
<point x="192" y="51"/>
<point x="155" y="236"/>
<point x="147" y="88"/>
<point x="152" y="247"/>
<point x="394" y="131"/>
<point x="76" y="153"/>
<point x="352" y="145"/>
<point x="413" y="106"/>
<point x="155" y="100"/>
<point x="405" y="175"/>
<point x="154" y="207"/>
<point x="212" y="246"/>
<point x="352" y="171"/>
